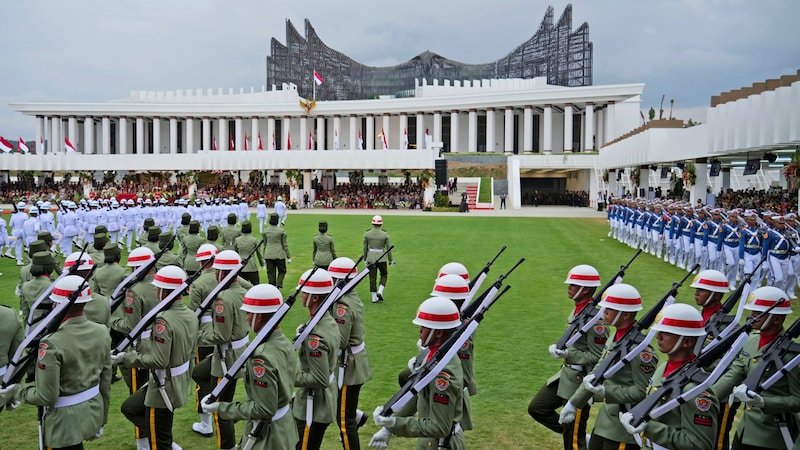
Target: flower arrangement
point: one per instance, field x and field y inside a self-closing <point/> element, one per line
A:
<point x="295" y="177"/>
<point x="424" y="177"/>
<point x="635" y="177"/>
<point x="689" y="174"/>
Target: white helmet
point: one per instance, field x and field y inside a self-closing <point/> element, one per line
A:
<point x="583" y="275"/>
<point x="169" y="277"/>
<point x="454" y="268"/>
<point x="622" y="297"/>
<point x="280" y="199"/>
<point x="85" y="264"/>
<point x="21" y="205"/>
<point x="227" y="260"/>
<point x="341" y="267"/>
<point x="680" y="319"/>
<point x="711" y="280"/>
<point x="451" y="286"/>
<point x="262" y="298"/>
<point x="377" y="220"/>
<point x="33" y="210"/>
<point x="140" y="256"/>
<point x="206" y="252"/>
<point x="437" y="313"/>
<point x="66" y="286"/>
<point x="319" y="283"/>
<point x="764" y="297"/>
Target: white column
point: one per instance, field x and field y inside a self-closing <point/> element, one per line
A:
<point x="386" y="128"/>
<point x="106" y="135"/>
<point x="87" y="146"/>
<point x="700" y="182"/>
<point x="490" y="130"/>
<point x="420" y="130"/>
<point x="39" y="134"/>
<point x="173" y="135"/>
<point x="610" y="133"/>
<point x="508" y="137"/>
<point x="139" y="135"/>
<point x="266" y="141"/>
<point x="122" y="136"/>
<point x="222" y="134"/>
<point x="601" y="128"/>
<point x="353" y="138"/>
<point x="527" y="119"/>
<point x="47" y="134"/>
<point x="726" y="179"/>
<point x="286" y="125"/>
<point x="437" y="126"/>
<point x="188" y="144"/>
<point x="369" y="138"/>
<point x="321" y="141"/>
<point x="472" y="146"/>
<point x="207" y="133"/>
<point x="238" y="137"/>
<point x="568" y="128"/>
<point x="72" y="123"/>
<point x="254" y="134"/>
<point x="337" y="128"/>
<point x="156" y="135"/>
<point x="454" y="116"/>
<point x="588" y="140"/>
<point x="303" y="133"/>
<point x="548" y="129"/>
<point x="402" y="133"/>
<point x="57" y="141"/>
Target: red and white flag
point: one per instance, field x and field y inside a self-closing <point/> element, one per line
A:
<point x="310" y="140"/>
<point x="428" y="140"/>
<point x="68" y="147"/>
<point x="23" y="146"/>
<point x="246" y="147"/>
<point x="214" y="147"/>
<point x="405" y="139"/>
<point x="274" y="144"/>
<point x="360" y="141"/>
<point x="336" y="139"/>
<point x="5" y="146"/>
<point x="318" y="78"/>
<point x="288" y="140"/>
<point x="260" y="144"/>
<point x="231" y="144"/>
<point x="384" y="140"/>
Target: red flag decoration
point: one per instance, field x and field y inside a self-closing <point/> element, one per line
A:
<point x="384" y="139"/>
<point x="22" y="146"/>
<point x="232" y="145"/>
<point x="428" y="140"/>
<point x="5" y="145"/>
<point x="214" y="147"/>
<point x="318" y="78"/>
<point x="260" y="145"/>
<point x="310" y="140"/>
<point x="246" y="148"/>
<point x="405" y="139"/>
<point x="336" y="139"/>
<point x="360" y="141"/>
<point x="288" y="140"/>
<point x="274" y="144"/>
<point x="68" y="147"/>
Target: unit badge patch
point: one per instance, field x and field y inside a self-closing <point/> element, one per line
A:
<point x="313" y="342"/>
<point x="703" y="404"/>
<point x="42" y="350"/>
<point x="220" y="308"/>
<point x="646" y="357"/>
<point x="442" y="381"/>
<point x="599" y="329"/>
<point x="259" y="371"/>
<point x="341" y="310"/>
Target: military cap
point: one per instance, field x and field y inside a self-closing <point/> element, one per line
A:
<point x="45" y="236"/>
<point x="247" y="227"/>
<point x="43" y="258"/>
<point x="323" y="226"/>
<point x="273" y="218"/>
<point x="152" y="234"/>
<point x="101" y="238"/>
<point x="100" y="229"/>
<point x="231" y="218"/>
<point x="111" y="249"/>
<point x="194" y="227"/>
<point x="164" y="238"/>
<point x="38" y="246"/>
<point x="149" y="222"/>
<point x="212" y="234"/>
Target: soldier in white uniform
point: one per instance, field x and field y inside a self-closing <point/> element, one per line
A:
<point x="17" y="221"/>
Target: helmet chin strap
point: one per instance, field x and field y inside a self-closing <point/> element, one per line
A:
<point x="577" y="294"/>
<point x="253" y="322"/>
<point x="676" y="346"/>
<point x="766" y="322"/>
<point x="428" y="338"/>
<point x="616" y="318"/>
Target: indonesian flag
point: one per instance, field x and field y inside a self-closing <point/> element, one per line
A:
<point x="428" y="140"/>
<point x="232" y="144"/>
<point x="5" y="146"/>
<point x="318" y="78"/>
<point x="405" y="139"/>
<point x="384" y="140"/>
<point x="274" y="144"/>
<point x="40" y="148"/>
<point x="260" y="144"/>
<point x="288" y="140"/>
<point x="310" y="140"/>
<point x="22" y="146"/>
<point x="360" y="141"/>
<point x="214" y="147"/>
<point x="68" y="147"/>
<point x="246" y="147"/>
<point x="336" y="139"/>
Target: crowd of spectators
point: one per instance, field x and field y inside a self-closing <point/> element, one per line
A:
<point x="391" y="196"/>
<point x="567" y="198"/>
<point x="777" y="200"/>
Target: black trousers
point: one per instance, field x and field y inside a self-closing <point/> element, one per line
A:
<point x="226" y="433"/>
<point x="313" y="439"/>
<point x="346" y="416"/>
<point x="725" y="417"/>
<point x="601" y="443"/>
<point x="136" y="379"/>
<point x="206" y="385"/>
<point x="252" y="277"/>
<point x="373" y="276"/>
<point x="276" y="270"/>
<point x="157" y="421"/>
<point x="543" y="410"/>
<point x="71" y="447"/>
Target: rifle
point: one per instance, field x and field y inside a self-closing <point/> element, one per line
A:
<point x="437" y="362"/>
<point x="14" y="205"/>
<point x="136" y="276"/>
<point x="671" y="391"/>
<point x="590" y="313"/>
<point x="206" y="303"/>
<point x="773" y="356"/>
<point x="61" y="206"/>
<point x="634" y="340"/>
<point x="30" y="320"/>
<point x="476" y="282"/>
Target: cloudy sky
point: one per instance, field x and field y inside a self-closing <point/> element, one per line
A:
<point x="98" y="50"/>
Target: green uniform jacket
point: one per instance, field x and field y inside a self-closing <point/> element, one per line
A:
<point x="376" y="241"/>
<point x="759" y="426"/>
<point x="318" y="365"/>
<point x="10" y="335"/>
<point x="97" y="310"/>
<point x="348" y="313"/>
<point x="438" y="408"/>
<point x="691" y="426"/>
<point x="139" y="299"/>
<point x="169" y="346"/>
<point x="105" y="279"/>
<point x="244" y="245"/>
<point x="153" y="246"/>
<point x="228" y="236"/>
<point x="189" y="252"/>
<point x="584" y="353"/>
<point x="169" y="259"/>
<point x="228" y="325"/>
<point x="181" y="233"/>
<point x="74" y="358"/>
<point x="98" y="256"/>
<point x="324" y="250"/>
<point x="276" y="246"/>
<point x="31" y="291"/>
<point x="626" y="387"/>
<point x="199" y="290"/>
<point x="269" y="380"/>
<point x="25" y="275"/>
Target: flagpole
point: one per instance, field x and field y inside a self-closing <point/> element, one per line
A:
<point x="314" y="83"/>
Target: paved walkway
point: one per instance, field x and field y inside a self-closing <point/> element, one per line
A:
<point x="526" y="211"/>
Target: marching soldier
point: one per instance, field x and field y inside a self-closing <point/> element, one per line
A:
<point x="73" y="374"/>
<point x="261" y="214"/>
<point x="750" y="249"/>
<point x="183" y="229"/>
<point x="42" y="265"/>
<point x="17" y="223"/>
<point x="778" y="249"/>
<point x="324" y="250"/>
<point x="108" y="277"/>
<point x="167" y="351"/>
<point x="315" y="400"/>
<point x="582" y="281"/>
<point x="11" y="336"/>
<point x="212" y="235"/>
<point x="152" y="239"/>
<point x="276" y="252"/>
<point x="168" y="258"/>
<point x="376" y="241"/>
<point x="269" y="379"/>
<point x="730" y="246"/>
<point x="95" y="249"/>
<point x="191" y="243"/>
<point x="96" y="310"/>
<point x="230" y="233"/>
<point x="244" y="245"/>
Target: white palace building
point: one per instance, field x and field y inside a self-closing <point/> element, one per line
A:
<point x="571" y="134"/>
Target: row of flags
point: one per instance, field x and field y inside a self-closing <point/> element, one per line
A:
<point x="383" y="135"/>
<point x="22" y="147"/>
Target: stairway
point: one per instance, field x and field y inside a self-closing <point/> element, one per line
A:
<point x="472" y="196"/>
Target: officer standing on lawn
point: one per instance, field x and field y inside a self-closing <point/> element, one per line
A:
<point x="376" y="241"/>
<point x="276" y="252"/>
<point x="11" y="336"/>
<point x="324" y="250"/>
<point x="230" y="233"/>
<point x="191" y="243"/>
<point x="582" y="281"/>
<point x="245" y="244"/>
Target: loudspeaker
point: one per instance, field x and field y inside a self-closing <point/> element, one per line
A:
<point x="441" y="172"/>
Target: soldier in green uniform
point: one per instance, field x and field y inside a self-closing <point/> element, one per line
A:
<point x="168" y="258"/>
<point x="582" y="281"/>
<point x="245" y="244"/>
<point x="627" y="387"/>
<point x="768" y="411"/>
<point x="152" y="239"/>
<point x="229" y="335"/>
<point x="73" y="375"/>
<point x="141" y="237"/>
<point x="435" y="417"/>
<point x="324" y="250"/>
<point x="212" y="235"/>
<point x="108" y="277"/>
<point x="51" y="247"/>
<point x="191" y="242"/>
<point x="96" y="310"/>
<point x="315" y="399"/>
<point x="276" y="252"/>
<point x="354" y="369"/>
<point x="166" y="349"/>
<point x="25" y="271"/>
<point x="42" y="265"/>
<point x="376" y="241"/>
<point x="693" y="424"/>
<point x="11" y="336"/>
<point x="95" y="249"/>
<point x="269" y="379"/>
<point x="183" y="229"/>
<point x="230" y="233"/>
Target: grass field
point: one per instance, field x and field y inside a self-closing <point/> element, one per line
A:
<point x="511" y="359"/>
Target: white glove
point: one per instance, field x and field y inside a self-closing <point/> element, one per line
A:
<point x="741" y="263"/>
<point x="299" y="329"/>
<point x="381" y="421"/>
<point x="567" y="414"/>
<point x="288" y="260"/>
<point x="392" y="262"/>
<point x="627" y="422"/>
<point x="556" y="353"/>
<point x="12" y="238"/>
<point x="57" y="235"/>
<point x="421" y="347"/>
<point x="380" y="439"/>
<point x="7" y="393"/>
<point x="97" y="435"/>
<point x="748" y="396"/>
<point x="412" y="364"/>
<point x="208" y="405"/>
<point x="124" y="229"/>
<point x="12" y="405"/>
<point x="117" y="358"/>
<point x="587" y="383"/>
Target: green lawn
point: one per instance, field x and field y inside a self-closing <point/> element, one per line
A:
<point x="485" y="193"/>
<point x="511" y="345"/>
